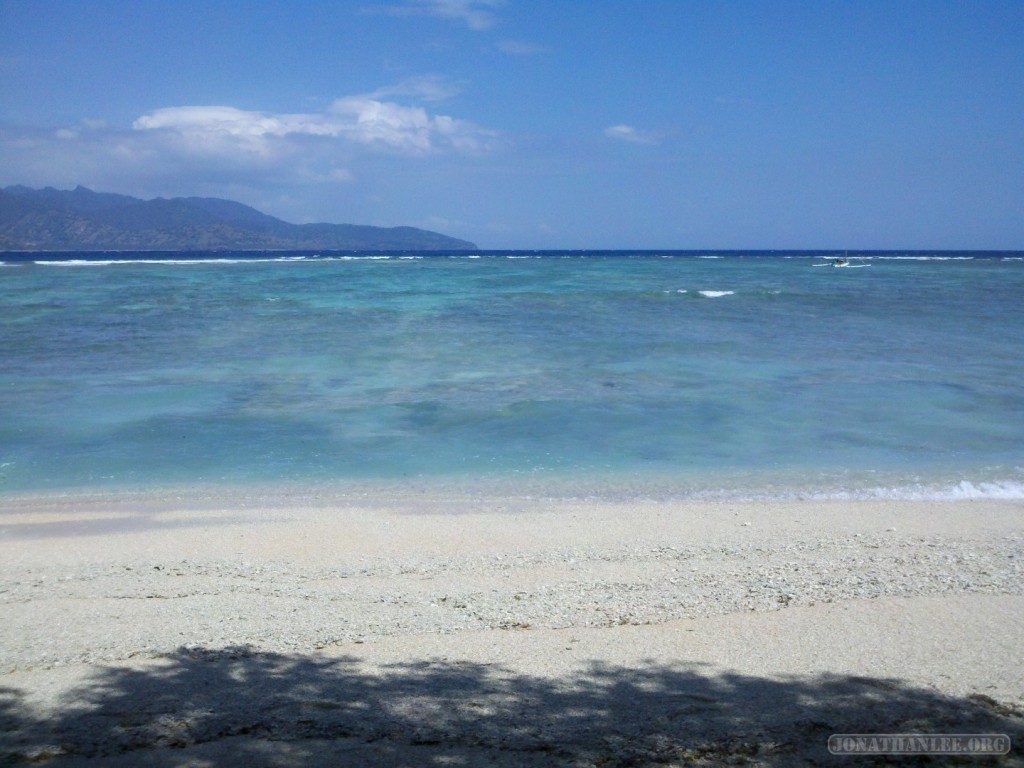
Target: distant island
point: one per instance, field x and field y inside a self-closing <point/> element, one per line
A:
<point x="83" y="220"/>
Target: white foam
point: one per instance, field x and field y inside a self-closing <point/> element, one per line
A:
<point x="165" y="262"/>
<point x="366" y="258"/>
<point x="938" y="491"/>
<point x="965" y="489"/>
<point x="962" y="491"/>
<point x="716" y="294"/>
<point x="917" y="258"/>
<point x="77" y="263"/>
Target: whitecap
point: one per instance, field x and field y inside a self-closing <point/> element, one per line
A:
<point x="918" y="258"/>
<point x="161" y="262"/>
<point x="355" y="258"/>
<point x="715" y="294"/>
<point x="75" y="263"/>
<point x="965" y="490"/>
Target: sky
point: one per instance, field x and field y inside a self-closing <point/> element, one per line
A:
<point x="534" y="124"/>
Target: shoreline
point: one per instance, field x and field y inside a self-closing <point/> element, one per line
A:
<point x="621" y="486"/>
<point x="922" y="600"/>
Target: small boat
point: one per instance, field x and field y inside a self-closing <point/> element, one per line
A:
<point x="839" y="261"/>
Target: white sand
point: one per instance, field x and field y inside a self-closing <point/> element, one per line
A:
<point x="421" y="630"/>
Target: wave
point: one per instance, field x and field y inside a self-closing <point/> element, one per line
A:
<point x="965" y="490"/>
<point x="915" y="258"/>
<point x="247" y="260"/>
<point x="356" y="258"/>
<point x="706" y="294"/>
<point x="164" y="262"/>
<point x="962" y="491"/>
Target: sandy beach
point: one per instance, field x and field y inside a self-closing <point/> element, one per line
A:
<point x="278" y="629"/>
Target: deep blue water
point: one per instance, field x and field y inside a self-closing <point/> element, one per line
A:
<point x="679" y="374"/>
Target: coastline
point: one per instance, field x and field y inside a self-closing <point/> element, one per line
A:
<point x="735" y="625"/>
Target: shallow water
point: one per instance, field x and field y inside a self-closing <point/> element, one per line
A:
<point x="655" y="374"/>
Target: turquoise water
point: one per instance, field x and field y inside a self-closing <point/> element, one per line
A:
<point x="658" y="373"/>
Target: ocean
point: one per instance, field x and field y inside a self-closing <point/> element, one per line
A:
<point x="650" y="375"/>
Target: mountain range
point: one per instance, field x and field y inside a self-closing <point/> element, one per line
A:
<point x="83" y="220"/>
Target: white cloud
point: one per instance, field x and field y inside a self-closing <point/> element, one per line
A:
<point x="632" y="135"/>
<point x="408" y="129"/>
<point x="423" y="87"/>
<point x="218" y="130"/>
<point x="361" y="120"/>
<point x="475" y="14"/>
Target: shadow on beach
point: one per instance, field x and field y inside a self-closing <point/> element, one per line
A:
<point x="237" y="706"/>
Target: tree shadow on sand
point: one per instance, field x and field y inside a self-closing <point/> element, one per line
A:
<point x="237" y="706"/>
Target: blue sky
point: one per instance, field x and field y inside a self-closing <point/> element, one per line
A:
<point x="539" y="124"/>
